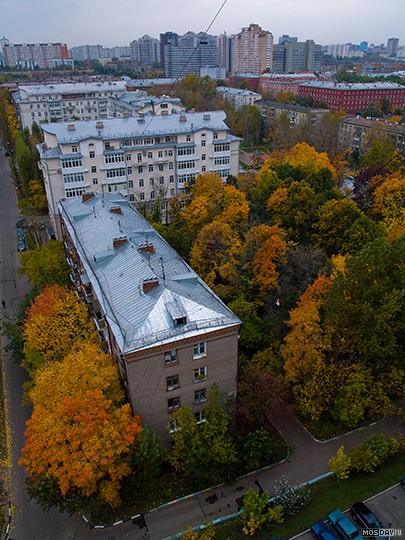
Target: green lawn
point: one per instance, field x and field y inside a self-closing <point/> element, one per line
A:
<point x="326" y="496"/>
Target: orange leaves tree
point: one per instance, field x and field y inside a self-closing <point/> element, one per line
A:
<point x="79" y="438"/>
<point x="54" y="322"/>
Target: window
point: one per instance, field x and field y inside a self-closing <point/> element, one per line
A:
<point x="202" y="143"/>
<point x="200" y="374"/>
<point x="173" y="404"/>
<point x="73" y="177"/>
<point x="223" y="147"/>
<point x="74" y="192"/>
<point x="186" y="151"/>
<point x="115" y="158"/>
<point x="171" y="179"/>
<point x="171" y="357"/>
<point x="142" y="196"/>
<point x="188" y="164"/>
<point x="171" y="166"/>
<point x="215" y="136"/>
<point x="199" y="349"/>
<point x="74" y="149"/>
<point x="93" y="169"/>
<point x="160" y="166"/>
<point x="203" y="168"/>
<point x="172" y="382"/>
<point x="150" y="168"/>
<point x="161" y="180"/>
<point x="170" y="152"/>
<point x="173" y="426"/>
<point x="128" y="157"/>
<point x="200" y="395"/>
<point x="222" y="160"/>
<point x="160" y="154"/>
<point x="188" y="138"/>
<point x="132" y="197"/>
<point x="203" y="156"/>
<point x="151" y="181"/>
<point x="129" y="170"/>
<point x="115" y="173"/>
<point x="139" y="158"/>
<point x="150" y="155"/>
<point x="140" y="169"/>
<point x="130" y="183"/>
<point x="141" y="183"/>
<point x="152" y="195"/>
<point x="68" y="163"/>
<point x="95" y="182"/>
<point x="200" y="417"/>
<point x="92" y="154"/>
<point x="172" y="193"/>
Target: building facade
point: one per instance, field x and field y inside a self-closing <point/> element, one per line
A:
<point x="66" y="101"/>
<point x="145" y="50"/>
<point x="252" y="50"/>
<point x="271" y="110"/>
<point x="32" y="55"/>
<point x="147" y="159"/>
<point x="238" y="97"/>
<point x="354" y="98"/>
<point x="171" y="336"/>
<point x="297" y="56"/>
<point x="355" y="133"/>
<point x="188" y="53"/>
<point x="274" y="83"/>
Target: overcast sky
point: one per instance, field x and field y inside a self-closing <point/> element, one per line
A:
<point x="117" y="22"/>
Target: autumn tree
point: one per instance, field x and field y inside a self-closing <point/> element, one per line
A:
<point x="389" y="206"/>
<point x="45" y="264"/>
<point x="83" y="442"/>
<point x="54" y="322"/>
<point x="308" y="340"/>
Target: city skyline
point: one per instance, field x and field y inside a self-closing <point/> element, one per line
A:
<point x="90" y="22"/>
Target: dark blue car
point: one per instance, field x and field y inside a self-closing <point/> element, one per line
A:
<point x="321" y="531"/>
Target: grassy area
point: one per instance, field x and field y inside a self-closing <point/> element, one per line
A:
<point x="328" y="495"/>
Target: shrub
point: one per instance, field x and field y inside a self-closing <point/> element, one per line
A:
<point x="254" y="513"/>
<point x="256" y="449"/>
<point x="340" y="464"/>
<point x="292" y="498"/>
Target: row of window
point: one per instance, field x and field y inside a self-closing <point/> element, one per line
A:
<point x="115" y="173"/>
<point x="173" y="382"/>
<point x="115" y="158"/>
<point x="186" y="151"/>
<point x="223" y="147"/>
<point x="200" y="396"/>
<point x="188" y="164"/>
<point x="73" y="177"/>
<point x="222" y="160"/>
<point x="72" y="162"/>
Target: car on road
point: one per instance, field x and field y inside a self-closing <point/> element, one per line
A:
<point x="366" y="518"/>
<point x="344" y="526"/>
<point x="321" y="531"/>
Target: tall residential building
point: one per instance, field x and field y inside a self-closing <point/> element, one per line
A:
<point x="147" y="159"/>
<point x="392" y="46"/>
<point x="145" y="50"/>
<point x="65" y="101"/>
<point x="32" y="55"/>
<point x="252" y="50"/>
<point x="188" y="53"/>
<point x="285" y="37"/>
<point x="170" y="335"/>
<point x="225" y="51"/>
<point x="297" y="56"/>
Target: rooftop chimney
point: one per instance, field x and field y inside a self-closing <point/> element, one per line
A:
<point x="148" y="247"/>
<point x="149" y="284"/>
<point x="116" y="210"/>
<point x="117" y="242"/>
<point x="99" y="125"/>
<point x="87" y="196"/>
<point x="71" y="127"/>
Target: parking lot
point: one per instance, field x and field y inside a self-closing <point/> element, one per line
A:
<point x="389" y="507"/>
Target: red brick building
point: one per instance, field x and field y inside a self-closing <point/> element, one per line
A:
<point x="354" y="97"/>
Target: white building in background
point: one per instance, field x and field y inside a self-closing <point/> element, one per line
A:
<point x="238" y="97"/>
<point x="140" y="103"/>
<point x="66" y="101"/>
<point x="147" y="159"/>
<point x="217" y="73"/>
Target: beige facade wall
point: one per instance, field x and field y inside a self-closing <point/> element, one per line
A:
<point x="147" y="376"/>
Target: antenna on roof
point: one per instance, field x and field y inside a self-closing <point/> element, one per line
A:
<point x="163" y="271"/>
<point x="102" y="194"/>
<point x="119" y="226"/>
<point x="94" y="210"/>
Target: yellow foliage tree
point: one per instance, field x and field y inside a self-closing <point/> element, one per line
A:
<point x="54" y="322"/>
<point x="86" y="367"/>
<point x="307" y="340"/>
<point x="389" y="206"/>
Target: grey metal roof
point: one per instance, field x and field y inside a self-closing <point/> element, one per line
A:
<point x="140" y="320"/>
<point x="72" y="88"/>
<point x="126" y="128"/>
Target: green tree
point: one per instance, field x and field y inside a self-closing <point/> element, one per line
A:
<point x="147" y="455"/>
<point x="292" y="498"/>
<point x="340" y="464"/>
<point x="257" y="449"/>
<point x="205" y="452"/>
<point x="45" y="264"/>
<point x="254" y="513"/>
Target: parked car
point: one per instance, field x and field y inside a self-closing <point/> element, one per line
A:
<point x="366" y="518"/>
<point x="321" y="531"/>
<point x="344" y="526"/>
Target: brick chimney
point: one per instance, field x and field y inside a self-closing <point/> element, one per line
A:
<point x="149" y="284"/>
<point x="116" y="210"/>
<point x="87" y="196"/>
<point x="147" y="248"/>
<point x="117" y="242"/>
